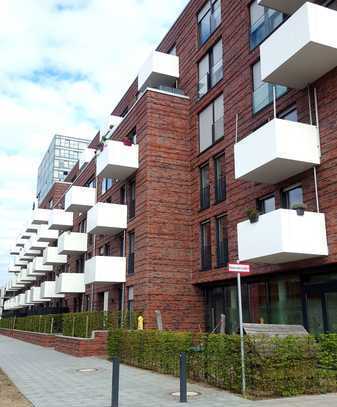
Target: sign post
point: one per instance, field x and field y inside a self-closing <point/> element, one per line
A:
<point x="240" y="268"/>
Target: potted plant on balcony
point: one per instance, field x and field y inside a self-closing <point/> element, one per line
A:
<point x="253" y="215"/>
<point x="127" y="141"/>
<point x="299" y="207"/>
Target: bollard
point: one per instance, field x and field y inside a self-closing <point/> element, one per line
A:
<point x="183" y="378"/>
<point x="115" y="382"/>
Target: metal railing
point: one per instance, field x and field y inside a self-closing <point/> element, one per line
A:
<point x="263" y="96"/>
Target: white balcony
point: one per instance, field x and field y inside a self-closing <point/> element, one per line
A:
<point x="25" y="278"/>
<point x="86" y="156"/>
<point x="21" y="242"/>
<point x="52" y="257"/>
<point x="48" y="290"/>
<point x="60" y="220"/>
<point x="29" y="251"/>
<point x="31" y="228"/>
<point x="282" y="236"/>
<point x="27" y="235"/>
<point x="46" y="235"/>
<point x="35" y="296"/>
<point x="72" y="243"/>
<point x="27" y="297"/>
<point x="102" y="269"/>
<point x="117" y="160"/>
<point x="281" y="149"/>
<point x="70" y="283"/>
<point x="110" y="126"/>
<point x="303" y="49"/>
<point x="14" y="269"/>
<point x="2" y="292"/>
<point x="22" y="300"/>
<point x="19" y="262"/>
<point x="16" y="284"/>
<point x="80" y="199"/>
<point x="105" y="218"/>
<point x="284" y="6"/>
<point x="40" y="216"/>
<point x="15" y="251"/>
<point x="37" y="268"/>
<point x="159" y="69"/>
<point x="36" y="245"/>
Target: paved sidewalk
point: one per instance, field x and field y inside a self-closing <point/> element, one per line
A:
<point x="51" y="379"/>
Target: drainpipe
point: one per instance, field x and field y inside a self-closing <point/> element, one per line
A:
<point x="319" y="149"/>
<point x="124" y="255"/>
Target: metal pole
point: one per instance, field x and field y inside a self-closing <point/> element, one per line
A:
<point x="183" y="378"/>
<point x="274" y="101"/>
<point x="316" y="189"/>
<point x="243" y="373"/>
<point x="115" y="382"/>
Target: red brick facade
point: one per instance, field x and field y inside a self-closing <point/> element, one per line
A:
<point x="168" y="274"/>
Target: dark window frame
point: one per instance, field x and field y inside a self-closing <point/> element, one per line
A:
<point x="205" y="249"/>
<point x="220" y="186"/>
<point x="209" y="82"/>
<point x="205" y="191"/>
<point x="221" y="245"/>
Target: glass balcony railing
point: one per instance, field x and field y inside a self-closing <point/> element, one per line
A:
<point x="209" y="80"/>
<point x="263" y="95"/>
<point x="264" y="27"/>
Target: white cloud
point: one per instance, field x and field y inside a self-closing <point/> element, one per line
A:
<point x="64" y="64"/>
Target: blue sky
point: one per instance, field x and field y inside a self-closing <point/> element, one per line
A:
<point x="64" y="64"/>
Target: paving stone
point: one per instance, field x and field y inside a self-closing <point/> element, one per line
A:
<point x="51" y="379"/>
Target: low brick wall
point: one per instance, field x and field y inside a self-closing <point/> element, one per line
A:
<point x="80" y="347"/>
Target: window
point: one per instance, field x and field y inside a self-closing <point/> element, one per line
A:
<point x="221" y="241"/>
<point x="266" y="204"/>
<point x="122" y="195"/>
<point x="211" y="124"/>
<point x="262" y="91"/>
<point x="210" y="69"/>
<point x="209" y="19"/>
<point x="204" y="187"/>
<point x="107" y="183"/>
<point x="82" y="227"/>
<point x="289" y="114"/>
<point x="206" y="255"/>
<point x="121" y="246"/>
<point x="331" y="4"/>
<point x="220" y="178"/>
<point x="125" y="111"/>
<point x="80" y="265"/>
<point x="263" y="21"/>
<point x="131" y="253"/>
<point x="132" y="136"/>
<point x="91" y="183"/>
<point x="173" y="50"/>
<point x="132" y="200"/>
<point x="292" y="196"/>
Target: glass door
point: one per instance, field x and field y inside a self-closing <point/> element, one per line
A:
<point x="314" y="312"/>
<point x="331" y="311"/>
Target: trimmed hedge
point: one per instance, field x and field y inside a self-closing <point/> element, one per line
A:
<point x="275" y="367"/>
<point x="80" y="324"/>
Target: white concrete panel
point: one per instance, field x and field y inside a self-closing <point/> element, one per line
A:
<point x="103" y="269"/>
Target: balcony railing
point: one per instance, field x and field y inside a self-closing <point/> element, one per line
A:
<point x="208" y="25"/>
<point x="220" y="189"/>
<point x="264" y="27"/>
<point x="205" y="197"/>
<point x="263" y="96"/>
<point x="206" y="258"/>
<point x="218" y="128"/>
<point x="131" y="263"/>
<point x="222" y="253"/>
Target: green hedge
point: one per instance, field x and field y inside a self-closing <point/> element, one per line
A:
<point x="275" y="366"/>
<point x="80" y="324"/>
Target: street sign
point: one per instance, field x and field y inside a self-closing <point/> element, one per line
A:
<point x="238" y="268"/>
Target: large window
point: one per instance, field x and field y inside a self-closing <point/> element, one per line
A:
<point x="263" y="21"/>
<point x="292" y="196"/>
<point x="131" y="253"/>
<point x="266" y="204"/>
<point x="132" y="199"/>
<point x="211" y="124"/>
<point x="204" y="187"/>
<point x="209" y="18"/>
<point x="222" y="241"/>
<point x="263" y="92"/>
<point x="106" y="184"/>
<point x="220" y="178"/>
<point x="206" y="251"/>
<point x="210" y="69"/>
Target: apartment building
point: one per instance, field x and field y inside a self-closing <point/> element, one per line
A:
<point x="62" y="154"/>
<point x="222" y="149"/>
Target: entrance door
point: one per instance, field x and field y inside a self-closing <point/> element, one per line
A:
<point x="321" y="308"/>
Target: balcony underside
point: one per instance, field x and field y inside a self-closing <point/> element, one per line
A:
<point x="284" y="6"/>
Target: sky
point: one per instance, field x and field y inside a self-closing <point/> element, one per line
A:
<point x="64" y="64"/>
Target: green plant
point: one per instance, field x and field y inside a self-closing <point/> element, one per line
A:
<point x="253" y="215"/>
<point x="299" y="207"/>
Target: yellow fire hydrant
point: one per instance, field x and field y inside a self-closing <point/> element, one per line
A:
<point x="140" y="323"/>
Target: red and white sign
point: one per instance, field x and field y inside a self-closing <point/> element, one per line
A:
<point x="238" y="268"/>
